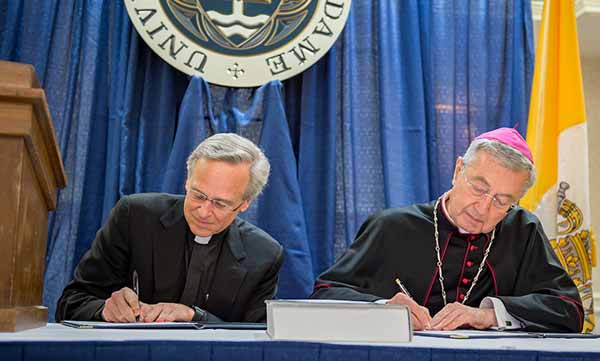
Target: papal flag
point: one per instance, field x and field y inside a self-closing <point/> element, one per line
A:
<point x="557" y="136"/>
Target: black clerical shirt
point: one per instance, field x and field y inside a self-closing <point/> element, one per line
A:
<point x="200" y="260"/>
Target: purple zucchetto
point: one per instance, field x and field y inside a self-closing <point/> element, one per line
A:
<point x="510" y="137"/>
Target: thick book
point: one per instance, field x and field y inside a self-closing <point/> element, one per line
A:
<point x="338" y="321"/>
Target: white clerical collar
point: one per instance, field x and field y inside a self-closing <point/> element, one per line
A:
<point x="444" y="200"/>
<point x="202" y="240"/>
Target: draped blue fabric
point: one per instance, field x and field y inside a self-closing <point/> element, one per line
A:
<point x="190" y="128"/>
<point x="280" y="211"/>
<point x="378" y="122"/>
<point x="404" y="91"/>
<point x="114" y="106"/>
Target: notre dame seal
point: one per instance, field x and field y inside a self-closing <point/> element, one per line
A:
<point x="239" y="43"/>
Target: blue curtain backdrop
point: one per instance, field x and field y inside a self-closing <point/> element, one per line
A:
<point x="376" y="123"/>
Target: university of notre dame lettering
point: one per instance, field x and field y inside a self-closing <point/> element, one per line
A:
<point x="194" y="59"/>
<point x="239" y="43"/>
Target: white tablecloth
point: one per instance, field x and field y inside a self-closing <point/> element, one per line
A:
<point x="59" y="333"/>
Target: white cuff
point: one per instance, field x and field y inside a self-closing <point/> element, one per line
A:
<point x="381" y="301"/>
<point x="505" y="320"/>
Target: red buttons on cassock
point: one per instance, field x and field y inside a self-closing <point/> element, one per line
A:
<point x="473" y="248"/>
<point x="466" y="281"/>
<point x="461" y="296"/>
<point x="469" y="264"/>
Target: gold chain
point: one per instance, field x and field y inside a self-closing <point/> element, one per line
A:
<point x="439" y="259"/>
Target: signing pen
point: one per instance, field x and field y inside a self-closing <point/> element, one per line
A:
<point x="402" y="288"/>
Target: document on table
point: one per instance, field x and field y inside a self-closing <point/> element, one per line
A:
<point x="132" y="325"/>
<point x="475" y="334"/>
<point x="166" y="325"/>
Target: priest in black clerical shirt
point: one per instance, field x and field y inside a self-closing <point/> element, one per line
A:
<point x="471" y="258"/>
<point x="162" y="257"/>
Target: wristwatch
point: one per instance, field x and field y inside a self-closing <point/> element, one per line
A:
<point x="199" y="314"/>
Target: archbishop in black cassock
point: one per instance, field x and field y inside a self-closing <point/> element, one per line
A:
<point x="519" y="284"/>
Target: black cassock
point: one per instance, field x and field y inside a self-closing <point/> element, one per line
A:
<point x="521" y="269"/>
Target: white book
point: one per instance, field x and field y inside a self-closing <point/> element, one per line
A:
<point x="338" y="321"/>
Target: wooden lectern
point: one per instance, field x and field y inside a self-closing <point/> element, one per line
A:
<point x="31" y="170"/>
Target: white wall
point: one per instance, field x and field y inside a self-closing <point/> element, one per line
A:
<point x="590" y="67"/>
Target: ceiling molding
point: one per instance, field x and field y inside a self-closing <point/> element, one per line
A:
<point x="581" y="7"/>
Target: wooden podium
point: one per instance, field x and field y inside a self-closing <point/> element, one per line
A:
<point x="31" y="171"/>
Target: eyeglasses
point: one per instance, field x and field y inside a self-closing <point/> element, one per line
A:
<point x="218" y="204"/>
<point x="498" y="200"/>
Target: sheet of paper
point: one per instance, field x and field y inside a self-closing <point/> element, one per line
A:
<point x="471" y="334"/>
<point x="133" y="325"/>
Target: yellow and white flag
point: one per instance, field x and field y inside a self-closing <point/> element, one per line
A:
<point x="557" y="136"/>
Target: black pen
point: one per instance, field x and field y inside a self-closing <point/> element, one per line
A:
<point x="402" y="288"/>
<point x="136" y="289"/>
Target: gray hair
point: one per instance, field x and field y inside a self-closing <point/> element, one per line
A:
<point x="507" y="156"/>
<point x="231" y="148"/>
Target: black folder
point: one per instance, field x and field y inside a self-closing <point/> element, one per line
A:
<point x="166" y="325"/>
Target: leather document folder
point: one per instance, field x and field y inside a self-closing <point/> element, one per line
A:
<point x="166" y="325"/>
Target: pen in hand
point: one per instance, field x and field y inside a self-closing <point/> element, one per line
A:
<point x="420" y="314"/>
<point x="136" y="289"/>
<point x="402" y="288"/>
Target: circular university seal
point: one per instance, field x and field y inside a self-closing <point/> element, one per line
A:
<point x="239" y="43"/>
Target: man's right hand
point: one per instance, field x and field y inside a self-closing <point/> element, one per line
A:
<point x="122" y="306"/>
<point x="420" y="315"/>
